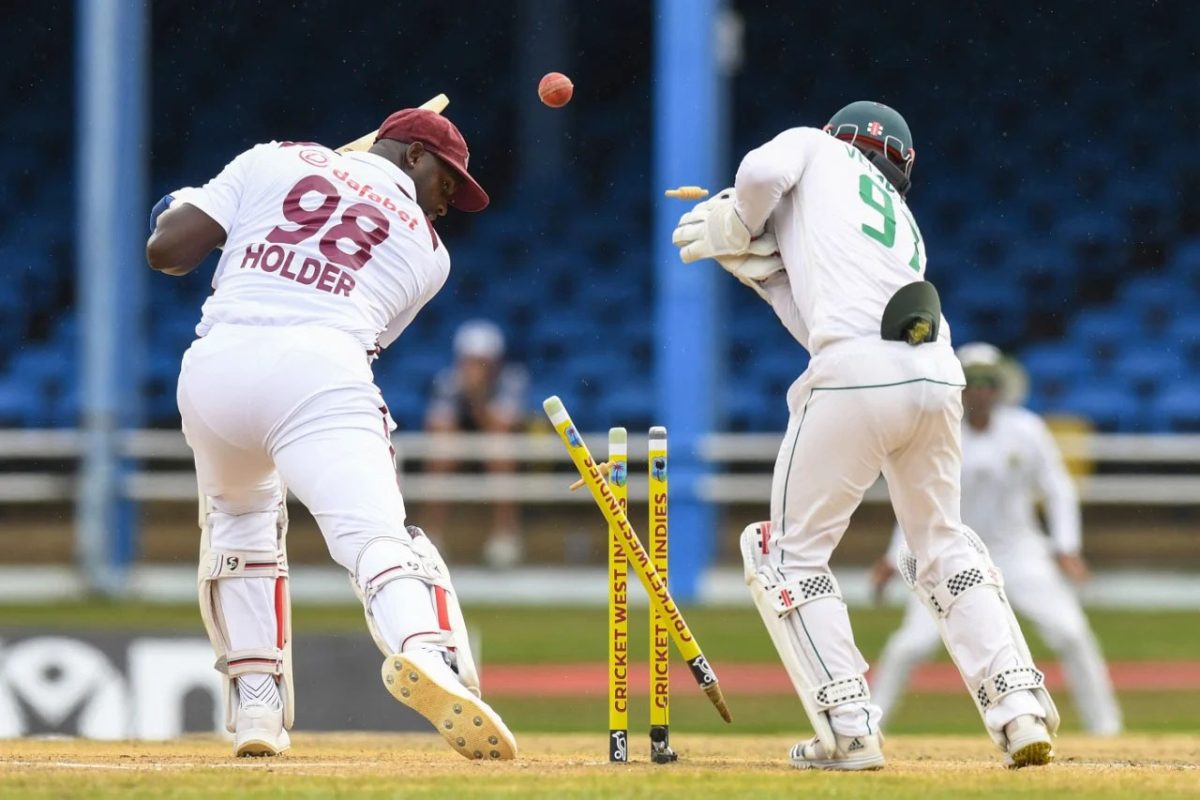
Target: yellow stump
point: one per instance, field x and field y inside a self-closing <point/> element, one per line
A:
<point x="660" y="637"/>
<point x="652" y="582"/>
<point x="618" y="605"/>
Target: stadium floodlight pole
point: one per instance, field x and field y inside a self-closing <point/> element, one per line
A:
<point x="112" y="212"/>
<point x="686" y="331"/>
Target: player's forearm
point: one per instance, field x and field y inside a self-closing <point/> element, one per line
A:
<point x="758" y="188"/>
<point x="1065" y="529"/>
<point x="162" y="259"/>
<point x="1063" y="517"/>
<point x="183" y="236"/>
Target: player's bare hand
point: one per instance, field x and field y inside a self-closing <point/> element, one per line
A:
<point x="882" y="572"/>
<point x="1074" y="567"/>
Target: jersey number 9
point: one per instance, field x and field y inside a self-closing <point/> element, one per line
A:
<point x="879" y="199"/>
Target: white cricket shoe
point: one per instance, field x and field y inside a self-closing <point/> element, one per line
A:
<point x="259" y="731"/>
<point x="1028" y="742"/>
<point x="852" y="753"/>
<point x="422" y="680"/>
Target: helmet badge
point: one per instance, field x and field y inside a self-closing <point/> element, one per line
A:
<point x="874" y="128"/>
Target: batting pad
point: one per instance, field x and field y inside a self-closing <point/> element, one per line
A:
<point x="778" y="602"/>
<point x="217" y="565"/>
<point x="941" y="599"/>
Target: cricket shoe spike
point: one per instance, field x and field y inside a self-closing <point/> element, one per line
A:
<point x="1028" y="743"/>
<point x="852" y="753"/>
<point x="423" y="681"/>
<point x="259" y="731"/>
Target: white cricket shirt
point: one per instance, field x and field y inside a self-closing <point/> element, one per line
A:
<point x="847" y="238"/>
<point x="318" y="238"/>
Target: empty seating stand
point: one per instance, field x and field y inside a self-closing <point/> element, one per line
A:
<point x="1052" y="204"/>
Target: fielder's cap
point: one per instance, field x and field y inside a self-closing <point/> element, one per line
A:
<point x="443" y="139"/>
<point x="979" y="354"/>
<point x="981" y="361"/>
<point x="479" y="338"/>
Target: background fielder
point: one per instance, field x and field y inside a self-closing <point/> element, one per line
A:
<point x="881" y="393"/>
<point x="327" y="258"/>
<point x="1009" y="460"/>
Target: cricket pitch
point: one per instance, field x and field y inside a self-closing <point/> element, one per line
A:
<point x="574" y="765"/>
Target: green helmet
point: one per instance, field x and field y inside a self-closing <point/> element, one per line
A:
<point x="880" y="127"/>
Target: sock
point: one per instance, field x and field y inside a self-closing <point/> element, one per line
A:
<point x="256" y="688"/>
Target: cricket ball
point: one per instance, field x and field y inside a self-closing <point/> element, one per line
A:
<point x="555" y="89"/>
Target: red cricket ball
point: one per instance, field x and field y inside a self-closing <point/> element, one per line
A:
<point x="555" y="89"/>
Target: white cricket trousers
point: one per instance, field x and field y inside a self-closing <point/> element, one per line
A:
<point x="866" y="406"/>
<point x="1037" y="589"/>
<point x="296" y="404"/>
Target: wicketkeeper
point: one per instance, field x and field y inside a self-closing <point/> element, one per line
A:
<point x="818" y="225"/>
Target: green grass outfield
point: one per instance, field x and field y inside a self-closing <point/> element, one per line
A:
<point x="573" y="635"/>
<point x="576" y="634"/>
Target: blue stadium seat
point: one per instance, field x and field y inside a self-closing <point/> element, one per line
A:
<point x="1024" y="245"/>
<point x="1186" y="254"/>
<point x="1177" y="407"/>
<point x="1184" y="333"/>
<point x="406" y="404"/>
<point x="413" y="366"/>
<point x="64" y="410"/>
<point x="45" y="367"/>
<point x="745" y="409"/>
<point x="993" y="235"/>
<point x="631" y="406"/>
<point x="19" y="404"/>
<point x="1092" y="226"/>
<point x="1109" y="408"/>
<point x="1146" y="366"/>
<point x="1098" y="332"/>
<point x="599" y="371"/>
<point x="783" y="364"/>
<point x="554" y="338"/>
<point x="1054" y="370"/>
<point x="1184" y="263"/>
<point x="994" y="307"/>
<point x="1154" y="298"/>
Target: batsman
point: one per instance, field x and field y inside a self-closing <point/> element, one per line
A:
<point x="327" y="256"/>
<point x="818" y="225"/>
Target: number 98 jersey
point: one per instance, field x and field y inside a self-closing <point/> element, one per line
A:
<point x="847" y="238"/>
<point x="318" y="238"/>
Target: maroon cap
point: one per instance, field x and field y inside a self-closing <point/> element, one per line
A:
<point x="441" y="138"/>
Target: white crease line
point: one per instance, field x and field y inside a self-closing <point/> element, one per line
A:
<point x="1127" y="765"/>
<point x="160" y="766"/>
<point x="267" y="764"/>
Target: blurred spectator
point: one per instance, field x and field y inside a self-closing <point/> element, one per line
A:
<point x="480" y="393"/>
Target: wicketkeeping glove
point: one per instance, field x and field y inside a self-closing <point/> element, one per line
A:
<point x="751" y="268"/>
<point x="712" y="228"/>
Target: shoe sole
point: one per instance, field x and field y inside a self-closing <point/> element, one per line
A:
<point x="839" y="764"/>
<point x="255" y="748"/>
<point x="467" y="724"/>
<point x="1034" y="754"/>
<point x="849" y="764"/>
